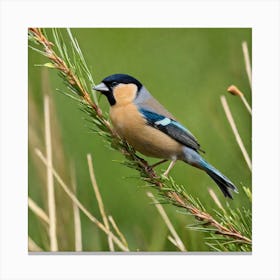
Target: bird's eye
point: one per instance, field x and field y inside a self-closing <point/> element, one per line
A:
<point x="114" y="84"/>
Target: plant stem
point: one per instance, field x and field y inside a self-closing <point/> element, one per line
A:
<point x="176" y="240"/>
<point x="235" y="131"/>
<point x="76" y="213"/>
<point x="99" y="200"/>
<point x="32" y="246"/>
<point x="117" y="230"/>
<point x="38" y="211"/>
<point x="50" y="184"/>
<point x="247" y="62"/>
<point x="234" y="90"/>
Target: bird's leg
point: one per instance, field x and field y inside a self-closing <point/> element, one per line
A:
<point x="158" y="163"/>
<point x="172" y="163"/>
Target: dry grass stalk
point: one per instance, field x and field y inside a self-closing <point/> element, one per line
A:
<point x="50" y="183"/>
<point x="32" y="246"/>
<point x="175" y="237"/>
<point x="247" y="62"/>
<point x="216" y="199"/>
<point x="234" y="90"/>
<point x="117" y="230"/>
<point x="99" y="200"/>
<point x="76" y="212"/>
<point x="38" y="211"/>
<point x="172" y="240"/>
<point x="72" y="196"/>
<point x="235" y="131"/>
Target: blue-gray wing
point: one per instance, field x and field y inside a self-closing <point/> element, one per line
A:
<point x="170" y="127"/>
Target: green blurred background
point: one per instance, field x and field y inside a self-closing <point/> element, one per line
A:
<point x="187" y="70"/>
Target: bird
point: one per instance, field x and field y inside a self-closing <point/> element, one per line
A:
<point x="153" y="131"/>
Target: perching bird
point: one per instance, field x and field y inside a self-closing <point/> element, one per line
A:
<point x="146" y="125"/>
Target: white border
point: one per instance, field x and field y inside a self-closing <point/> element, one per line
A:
<point x="263" y="16"/>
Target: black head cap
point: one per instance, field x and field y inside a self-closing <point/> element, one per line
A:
<point x="116" y="79"/>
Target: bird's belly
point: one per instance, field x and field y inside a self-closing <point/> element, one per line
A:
<point x="149" y="141"/>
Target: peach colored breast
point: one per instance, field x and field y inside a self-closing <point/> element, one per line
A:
<point x="147" y="140"/>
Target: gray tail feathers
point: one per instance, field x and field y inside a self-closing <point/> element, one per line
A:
<point x="222" y="181"/>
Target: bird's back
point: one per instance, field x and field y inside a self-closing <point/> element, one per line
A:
<point x="146" y="101"/>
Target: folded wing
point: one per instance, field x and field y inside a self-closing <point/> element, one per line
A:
<point x="170" y="127"/>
